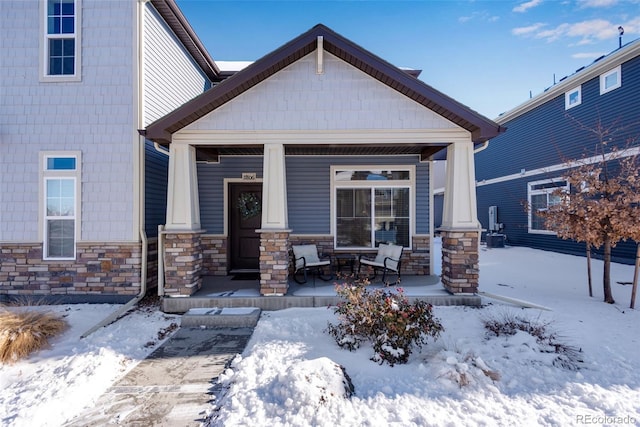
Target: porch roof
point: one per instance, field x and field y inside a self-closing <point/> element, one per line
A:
<point x="480" y="127"/>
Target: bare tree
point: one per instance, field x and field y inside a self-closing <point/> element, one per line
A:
<point x="603" y="206"/>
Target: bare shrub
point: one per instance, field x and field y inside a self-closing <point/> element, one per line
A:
<point x="392" y="324"/>
<point x="25" y="331"/>
<point x="508" y="323"/>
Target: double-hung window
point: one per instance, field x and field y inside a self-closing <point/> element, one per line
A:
<point x="61" y="190"/>
<point x="541" y="197"/>
<point x="372" y="205"/>
<point x="61" y="42"/>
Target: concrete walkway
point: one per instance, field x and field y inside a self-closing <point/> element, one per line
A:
<point x="174" y="385"/>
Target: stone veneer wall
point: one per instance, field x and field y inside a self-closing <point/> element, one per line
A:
<point x="182" y="263"/>
<point x="214" y="255"/>
<point x="99" y="268"/>
<point x="274" y="262"/>
<point x="460" y="264"/>
<point x="416" y="261"/>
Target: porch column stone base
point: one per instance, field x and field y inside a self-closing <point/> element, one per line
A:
<point x="274" y="262"/>
<point x="182" y="263"/>
<point x="460" y="264"/>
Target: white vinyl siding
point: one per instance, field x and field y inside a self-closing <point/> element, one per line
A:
<point x="171" y="77"/>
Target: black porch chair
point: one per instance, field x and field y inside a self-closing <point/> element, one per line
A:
<point x="388" y="259"/>
<point x="305" y="259"/>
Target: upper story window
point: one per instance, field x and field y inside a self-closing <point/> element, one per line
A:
<point x="372" y="205"/>
<point x="610" y="80"/>
<point x="573" y="98"/>
<point x="61" y="40"/>
<point x="541" y="197"/>
<point x="60" y="204"/>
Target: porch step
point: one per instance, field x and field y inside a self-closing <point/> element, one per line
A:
<point x="238" y="317"/>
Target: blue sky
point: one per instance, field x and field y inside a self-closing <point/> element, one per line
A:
<point x="489" y="55"/>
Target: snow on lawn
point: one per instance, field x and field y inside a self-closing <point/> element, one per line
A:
<point x="288" y="374"/>
<point x="55" y="384"/>
<point x="285" y="375"/>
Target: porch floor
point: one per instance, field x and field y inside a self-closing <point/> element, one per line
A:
<point x="224" y="291"/>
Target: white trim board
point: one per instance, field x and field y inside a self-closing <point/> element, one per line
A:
<point x="558" y="167"/>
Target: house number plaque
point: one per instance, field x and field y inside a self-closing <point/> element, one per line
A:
<point x="248" y="176"/>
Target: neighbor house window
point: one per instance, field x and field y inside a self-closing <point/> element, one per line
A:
<point x="573" y="98"/>
<point x="372" y="205"/>
<point x="61" y="42"/>
<point x="610" y="80"/>
<point x="61" y="182"/>
<point x="541" y="198"/>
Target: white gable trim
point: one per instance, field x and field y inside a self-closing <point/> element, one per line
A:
<point x="317" y="137"/>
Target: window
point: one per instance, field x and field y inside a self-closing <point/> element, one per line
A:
<point x="541" y="197"/>
<point x="372" y="206"/>
<point x="573" y="98"/>
<point x="610" y="80"/>
<point x="61" y="43"/>
<point x="61" y="178"/>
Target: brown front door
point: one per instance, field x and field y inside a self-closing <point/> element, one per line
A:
<point x="245" y="217"/>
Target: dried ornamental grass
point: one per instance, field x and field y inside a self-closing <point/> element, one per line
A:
<point x="23" y="332"/>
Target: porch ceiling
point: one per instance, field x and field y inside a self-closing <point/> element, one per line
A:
<point x="424" y="151"/>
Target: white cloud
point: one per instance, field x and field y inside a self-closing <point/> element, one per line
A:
<point x="523" y="31"/>
<point x="479" y="16"/>
<point x="585" y="31"/>
<point x="596" y="3"/>
<point x="523" y="7"/>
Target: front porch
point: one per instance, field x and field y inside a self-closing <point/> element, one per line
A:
<point x="224" y="291"/>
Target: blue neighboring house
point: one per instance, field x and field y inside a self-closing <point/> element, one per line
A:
<point x="526" y="163"/>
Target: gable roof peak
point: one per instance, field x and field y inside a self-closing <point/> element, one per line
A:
<point x="480" y="127"/>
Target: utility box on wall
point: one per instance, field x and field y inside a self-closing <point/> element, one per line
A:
<point x="495" y="240"/>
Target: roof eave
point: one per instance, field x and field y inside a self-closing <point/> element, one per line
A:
<point x="178" y="23"/>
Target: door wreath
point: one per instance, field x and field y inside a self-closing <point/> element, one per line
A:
<point x="249" y="205"/>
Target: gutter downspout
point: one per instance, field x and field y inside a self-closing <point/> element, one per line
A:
<point x="160" y="260"/>
<point x="482" y="147"/>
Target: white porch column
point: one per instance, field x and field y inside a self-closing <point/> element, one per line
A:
<point x="460" y="210"/>
<point x="460" y="228"/>
<point x="274" y="189"/>
<point x="183" y="205"/>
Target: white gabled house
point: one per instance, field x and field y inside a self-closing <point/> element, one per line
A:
<point x="333" y="146"/>
<point x="115" y="122"/>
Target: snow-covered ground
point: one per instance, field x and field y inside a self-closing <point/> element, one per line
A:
<point x="287" y="374"/>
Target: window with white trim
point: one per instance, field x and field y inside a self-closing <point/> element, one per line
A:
<point x="573" y="98"/>
<point x="61" y="195"/>
<point x="541" y="198"/>
<point x="372" y="205"/>
<point x="610" y="80"/>
<point x="61" y="41"/>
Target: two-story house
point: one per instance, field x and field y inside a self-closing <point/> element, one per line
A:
<point x="519" y="170"/>
<point x="81" y="192"/>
